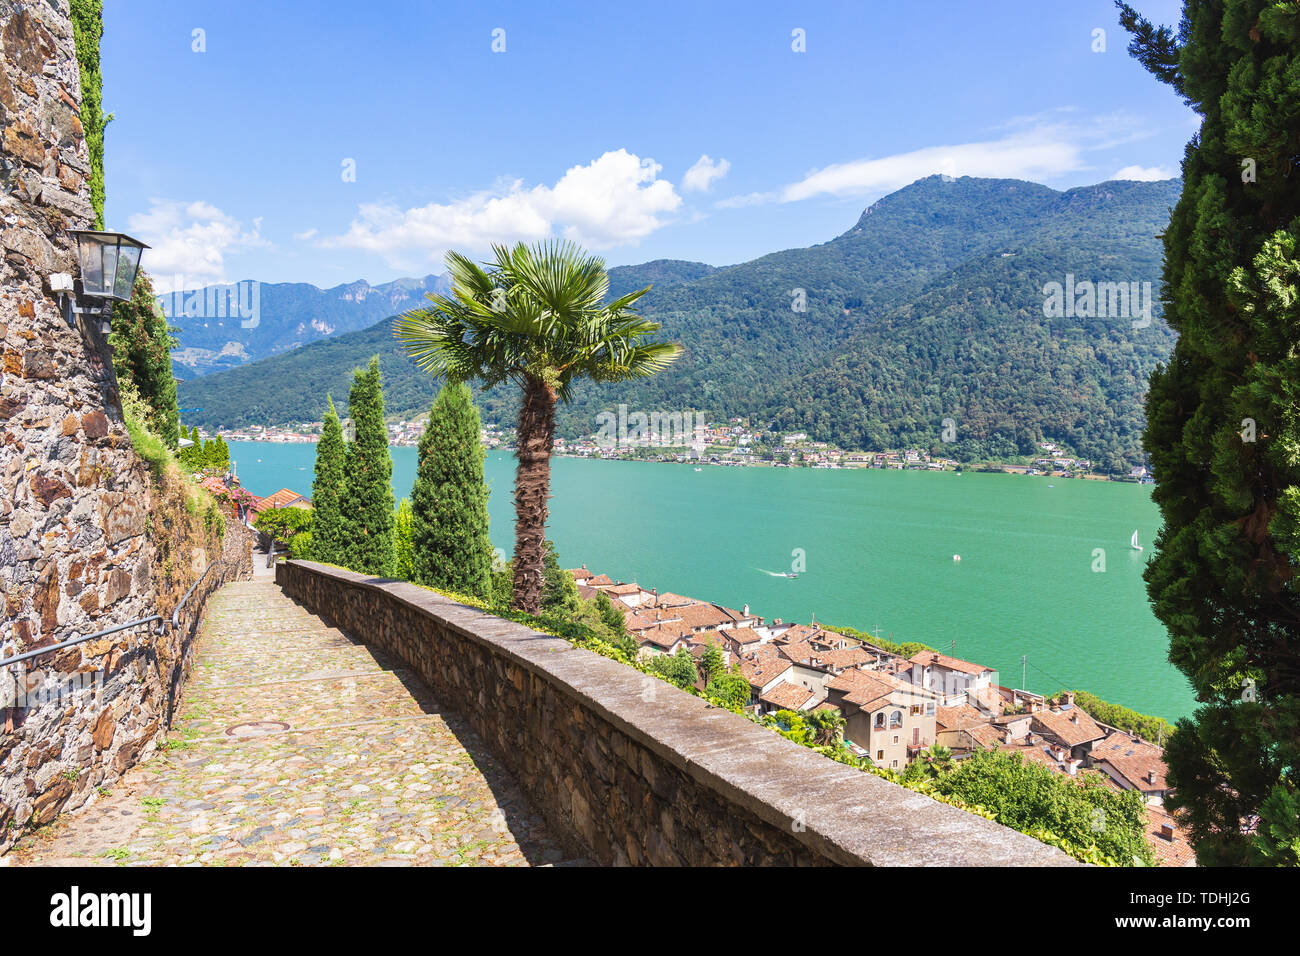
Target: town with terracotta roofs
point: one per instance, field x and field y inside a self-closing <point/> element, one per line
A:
<point x="896" y="708"/>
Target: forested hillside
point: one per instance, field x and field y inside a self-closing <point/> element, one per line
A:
<point x="930" y="307"/>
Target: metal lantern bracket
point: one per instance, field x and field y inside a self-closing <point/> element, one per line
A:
<point x="67" y="301"/>
<point x="110" y="262"/>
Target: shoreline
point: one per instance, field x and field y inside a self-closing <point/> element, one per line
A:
<point x="975" y="468"/>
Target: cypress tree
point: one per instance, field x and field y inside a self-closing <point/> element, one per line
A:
<point x="367" y="505"/>
<point x="403" y="549"/>
<point x="142" y="342"/>
<point x="449" y="527"/>
<point x="327" y="490"/>
<point x="222" y="454"/>
<point x="1223" y="426"/>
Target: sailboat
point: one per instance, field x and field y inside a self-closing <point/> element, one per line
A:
<point x="1134" y="543"/>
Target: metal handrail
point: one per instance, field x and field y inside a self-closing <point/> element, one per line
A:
<point x="177" y="611"/>
<point x="174" y="622"/>
<point x="26" y="655"/>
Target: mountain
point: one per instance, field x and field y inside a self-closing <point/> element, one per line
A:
<point x="931" y="307"/>
<point x="224" y="326"/>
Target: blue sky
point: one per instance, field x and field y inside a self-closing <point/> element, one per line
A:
<point x="645" y="131"/>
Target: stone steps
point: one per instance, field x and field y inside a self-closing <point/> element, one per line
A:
<point x="294" y="744"/>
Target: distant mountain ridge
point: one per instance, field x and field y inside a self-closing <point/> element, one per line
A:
<point x="220" y="331"/>
<point x="930" y="307"/>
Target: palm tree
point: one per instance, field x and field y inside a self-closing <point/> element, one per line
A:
<point x="827" y="727"/>
<point x="535" y="316"/>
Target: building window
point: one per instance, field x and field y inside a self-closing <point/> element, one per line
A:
<point x="895" y="738"/>
<point x="880" y="755"/>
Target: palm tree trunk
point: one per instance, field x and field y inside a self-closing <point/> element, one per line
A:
<point x="532" y="490"/>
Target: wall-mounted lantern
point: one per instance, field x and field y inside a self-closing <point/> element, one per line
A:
<point x="109" y="262"/>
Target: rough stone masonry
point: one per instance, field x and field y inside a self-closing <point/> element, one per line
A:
<point x="75" y="552"/>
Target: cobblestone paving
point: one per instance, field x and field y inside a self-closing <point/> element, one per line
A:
<point x="368" y="770"/>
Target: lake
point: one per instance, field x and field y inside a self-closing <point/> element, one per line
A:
<point x="876" y="550"/>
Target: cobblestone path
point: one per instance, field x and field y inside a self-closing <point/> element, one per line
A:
<point x="293" y="745"/>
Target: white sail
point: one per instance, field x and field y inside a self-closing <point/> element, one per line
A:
<point x="1134" y="542"/>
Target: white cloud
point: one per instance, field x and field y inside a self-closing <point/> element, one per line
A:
<point x="615" y="199"/>
<point x="1040" y="148"/>
<point x="305" y="235"/>
<point x="701" y="176"/>
<point x="189" y="242"/>
<point x="1034" y="156"/>
<point x="1145" y="174"/>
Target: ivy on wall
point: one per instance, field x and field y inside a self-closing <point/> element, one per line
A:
<point x="87" y="29"/>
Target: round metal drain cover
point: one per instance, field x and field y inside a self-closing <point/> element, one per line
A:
<point x="256" y="728"/>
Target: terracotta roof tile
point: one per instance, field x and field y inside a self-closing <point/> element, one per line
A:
<point x="788" y="696"/>
<point x="951" y="663"/>
<point x="1072" y="727"/>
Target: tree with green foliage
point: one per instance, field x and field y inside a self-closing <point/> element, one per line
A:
<point x="730" y="687"/>
<point x="283" y="523"/>
<point x="711" y="664"/>
<point x="826" y="727"/>
<point x="932" y="762"/>
<point x="613" y="618"/>
<point x="449" y="530"/>
<point x="537" y="317"/>
<point x="142" y="342"/>
<point x="220" y="456"/>
<point x="368" y="507"/>
<point x="189" y="456"/>
<point x="403" y="541"/>
<point x="1028" y="797"/>
<point x="676" y="668"/>
<point x="559" y="591"/>
<point x="1223" y="424"/>
<point x="327" y="490"/>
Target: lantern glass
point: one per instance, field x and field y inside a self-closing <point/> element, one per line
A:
<point x="128" y="264"/>
<point x="109" y="263"/>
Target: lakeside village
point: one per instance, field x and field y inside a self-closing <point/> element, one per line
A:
<point x="895" y="709"/>
<point x="734" y="443"/>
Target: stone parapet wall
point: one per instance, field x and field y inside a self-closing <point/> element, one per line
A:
<point x="631" y="770"/>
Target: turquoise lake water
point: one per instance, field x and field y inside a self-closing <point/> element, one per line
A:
<point x="877" y="550"/>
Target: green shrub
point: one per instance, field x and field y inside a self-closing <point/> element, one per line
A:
<point x="300" y="546"/>
<point x="283" y="523"/>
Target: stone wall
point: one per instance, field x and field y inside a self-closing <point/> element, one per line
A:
<point x="79" y="513"/>
<point x="631" y="770"/>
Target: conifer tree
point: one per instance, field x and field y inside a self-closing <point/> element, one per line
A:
<point x="403" y="549"/>
<point x="449" y="529"/>
<point x="142" y="342"/>
<point x="1223" y="426"/>
<point x="221" y="454"/>
<point x="368" y="506"/>
<point x="327" y="490"/>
